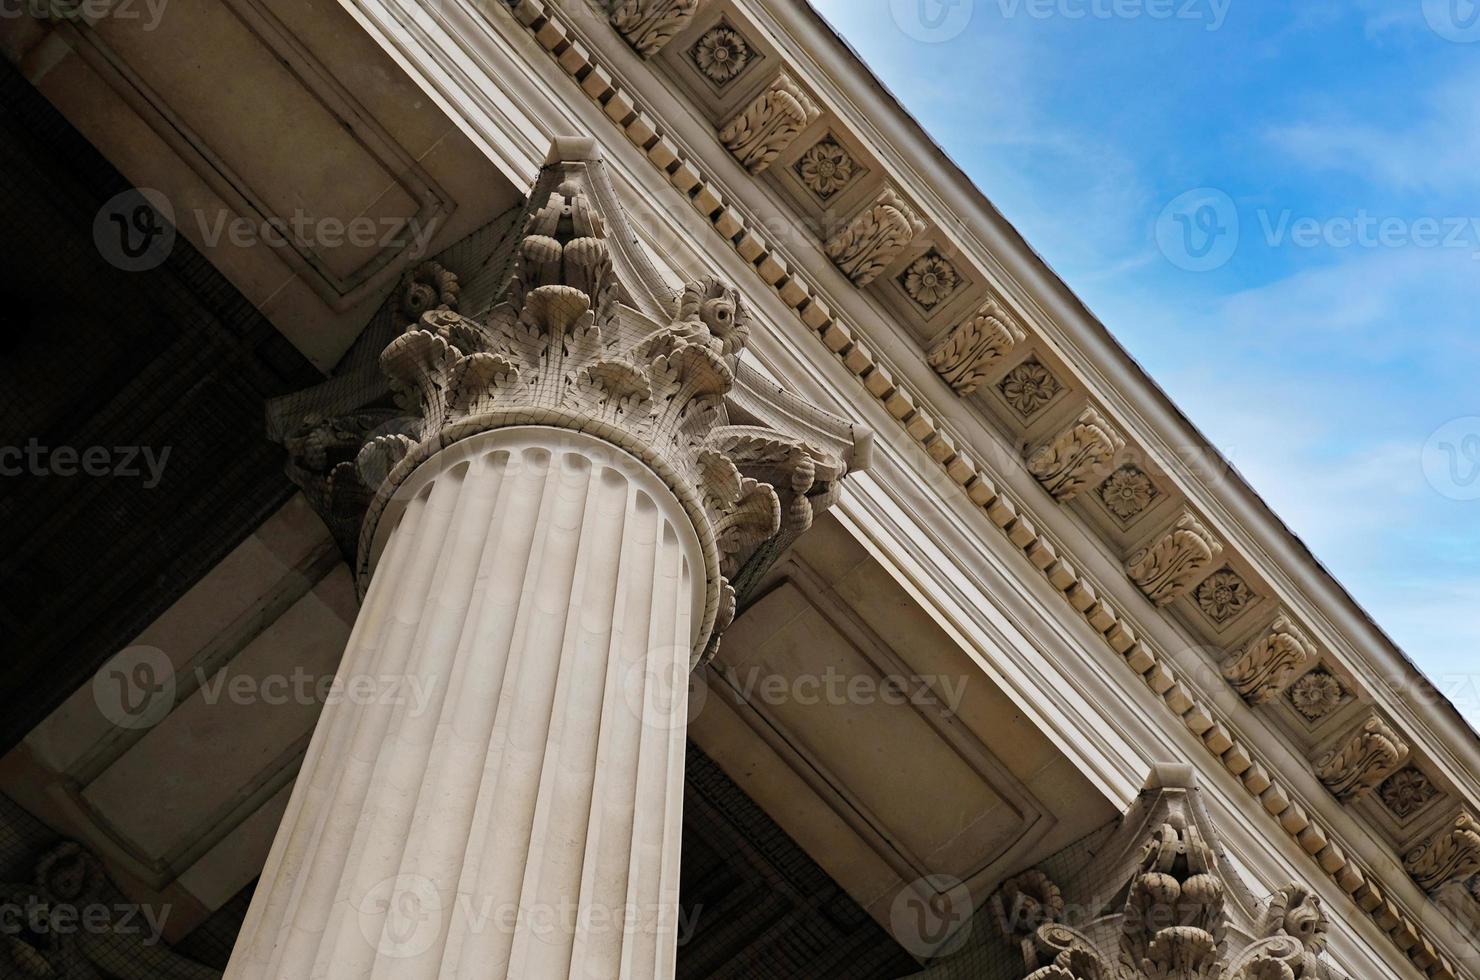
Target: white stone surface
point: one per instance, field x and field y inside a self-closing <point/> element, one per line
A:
<point x="544" y="588"/>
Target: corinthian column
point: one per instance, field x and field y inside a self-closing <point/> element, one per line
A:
<point x="553" y="513"/>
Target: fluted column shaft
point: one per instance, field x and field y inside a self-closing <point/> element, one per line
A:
<point x="507" y="802"/>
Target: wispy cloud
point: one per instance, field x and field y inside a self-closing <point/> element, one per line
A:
<point x="1434" y="148"/>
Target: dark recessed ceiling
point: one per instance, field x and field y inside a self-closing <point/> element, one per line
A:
<point x="169" y="360"/>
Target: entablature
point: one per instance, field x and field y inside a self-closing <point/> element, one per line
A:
<point x="897" y="265"/>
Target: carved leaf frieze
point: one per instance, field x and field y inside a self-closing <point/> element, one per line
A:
<point x="648" y="25"/>
<point x="1167" y="569"/>
<point x="1270" y="662"/>
<point x="1453" y="854"/>
<point x="768" y="125"/>
<point x="965" y="357"/>
<point x="1078" y="457"/>
<point x="874" y="239"/>
<point x="1365" y="758"/>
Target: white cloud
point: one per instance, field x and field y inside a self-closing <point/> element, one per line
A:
<point x="1434" y="149"/>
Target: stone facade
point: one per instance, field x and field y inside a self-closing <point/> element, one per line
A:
<point x="735" y="361"/>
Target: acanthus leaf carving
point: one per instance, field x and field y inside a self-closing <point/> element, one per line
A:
<point x="1184" y="912"/>
<point x="1167" y="569"/>
<point x="1174" y="919"/>
<point x="873" y="239"/>
<point x="565" y="345"/>
<point x="648" y="25"/>
<point x="1452" y="854"/>
<point x="761" y="131"/>
<point x="969" y="352"/>
<point x="1270" y="662"/>
<point x="1361" y="760"/>
<point x="1078" y="457"/>
<point x="1072" y="955"/>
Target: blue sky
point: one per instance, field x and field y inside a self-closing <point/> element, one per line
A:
<point x="1330" y="345"/>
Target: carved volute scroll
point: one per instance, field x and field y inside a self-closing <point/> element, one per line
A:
<point x="569" y="343"/>
<point x="427" y="287"/>
<point x="971" y="350"/>
<point x="1452" y="854"/>
<point x="648" y="25"/>
<point x="1363" y="759"/>
<point x="1269" y="663"/>
<point x="874" y="238"/>
<point x="769" y="124"/>
<point x="1168" y="568"/>
<point x="1077" y="458"/>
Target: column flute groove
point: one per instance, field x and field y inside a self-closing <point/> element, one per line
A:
<point x="553" y="509"/>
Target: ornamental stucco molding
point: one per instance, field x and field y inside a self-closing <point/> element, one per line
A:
<point x="1270" y="662"/>
<point x="1078" y="457"/>
<point x="762" y="130"/>
<point x="1167" y="569"/>
<point x="1153" y="667"/>
<point x="1451" y="854"/>
<point x="574" y="343"/>
<point x="1362" y="759"/>
<point x="648" y="25"/>
<point x="966" y="355"/>
<point x="1185" y="914"/>
<point x="874" y="238"/>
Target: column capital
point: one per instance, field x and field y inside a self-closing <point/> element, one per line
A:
<point x="582" y="333"/>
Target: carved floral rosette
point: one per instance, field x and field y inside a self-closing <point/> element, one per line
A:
<point x="566" y="346"/>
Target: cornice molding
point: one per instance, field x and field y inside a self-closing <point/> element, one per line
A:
<point x="687" y="175"/>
